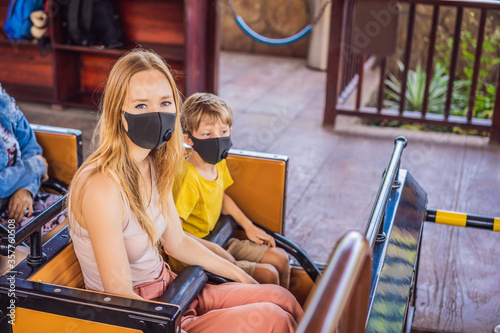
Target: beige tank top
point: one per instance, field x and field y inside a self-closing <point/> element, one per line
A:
<point x="145" y="260"/>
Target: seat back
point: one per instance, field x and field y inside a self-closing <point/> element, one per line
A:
<point x="62" y="270"/>
<point x="62" y="148"/>
<point x="259" y="187"/>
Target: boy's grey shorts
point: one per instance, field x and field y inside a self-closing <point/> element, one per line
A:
<point x="246" y="253"/>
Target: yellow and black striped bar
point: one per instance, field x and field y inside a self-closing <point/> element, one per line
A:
<point x="463" y="219"/>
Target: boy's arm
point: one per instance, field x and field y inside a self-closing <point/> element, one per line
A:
<point x="214" y="247"/>
<point x="191" y="252"/>
<point x="255" y="234"/>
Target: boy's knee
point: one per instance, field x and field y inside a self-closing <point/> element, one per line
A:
<point x="267" y="274"/>
<point x="280" y="259"/>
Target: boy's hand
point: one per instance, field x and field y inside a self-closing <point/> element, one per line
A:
<point x="259" y="236"/>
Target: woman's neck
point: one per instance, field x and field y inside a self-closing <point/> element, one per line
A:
<point x="139" y="156"/>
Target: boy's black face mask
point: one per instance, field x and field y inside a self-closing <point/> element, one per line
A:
<point x="212" y="150"/>
<point x="150" y="130"/>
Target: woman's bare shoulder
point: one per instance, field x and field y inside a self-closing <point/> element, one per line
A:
<point x="96" y="195"/>
<point x="95" y="183"/>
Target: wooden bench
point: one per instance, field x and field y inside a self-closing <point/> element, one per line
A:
<point x="63" y="270"/>
<point x="62" y="148"/>
<point x="259" y="188"/>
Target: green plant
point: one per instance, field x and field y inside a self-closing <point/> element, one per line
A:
<point x="415" y="88"/>
<point x="485" y="100"/>
<point x="485" y="92"/>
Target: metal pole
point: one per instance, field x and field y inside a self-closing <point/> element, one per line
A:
<point x="36" y="256"/>
<point x="378" y="210"/>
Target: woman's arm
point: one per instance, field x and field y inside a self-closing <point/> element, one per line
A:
<point x="255" y="234"/>
<point x="102" y="215"/>
<point x="184" y="248"/>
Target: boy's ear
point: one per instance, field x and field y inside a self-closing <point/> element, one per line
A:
<point x="188" y="140"/>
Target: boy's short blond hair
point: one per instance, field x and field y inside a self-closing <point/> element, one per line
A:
<point x="199" y="105"/>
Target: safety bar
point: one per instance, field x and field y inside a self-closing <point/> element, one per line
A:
<point x="341" y="295"/>
<point x="52" y="184"/>
<point x="32" y="230"/>
<point x="291" y="248"/>
<point x="375" y="225"/>
<point x="75" y="304"/>
<point x="227" y="225"/>
<point x="463" y="220"/>
<point x="185" y="287"/>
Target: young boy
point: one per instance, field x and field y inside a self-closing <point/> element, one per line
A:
<point x="200" y="196"/>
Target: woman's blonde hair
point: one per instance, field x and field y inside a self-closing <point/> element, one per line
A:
<point x="112" y="157"/>
<point x="199" y="105"/>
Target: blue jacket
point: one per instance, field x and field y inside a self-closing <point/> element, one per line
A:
<point x="28" y="170"/>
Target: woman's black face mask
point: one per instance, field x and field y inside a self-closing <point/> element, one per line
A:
<point x="150" y="130"/>
<point x="212" y="150"/>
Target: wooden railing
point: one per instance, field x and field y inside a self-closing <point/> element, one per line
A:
<point x="341" y="65"/>
<point x="353" y="63"/>
<point x="339" y="301"/>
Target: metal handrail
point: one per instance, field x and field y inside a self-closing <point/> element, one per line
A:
<point x="33" y="231"/>
<point x="296" y="251"/>
<point x="341" y="295"/>
<point x="389" y="178"/>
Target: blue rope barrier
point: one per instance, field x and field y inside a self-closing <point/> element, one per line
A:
<point x="272" y="41"/>
<point x="276" y="41"/>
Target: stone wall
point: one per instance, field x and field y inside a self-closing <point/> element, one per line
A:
<point x="270" y="18"/>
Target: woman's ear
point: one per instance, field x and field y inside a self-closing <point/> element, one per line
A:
<point x="188" y="140"/>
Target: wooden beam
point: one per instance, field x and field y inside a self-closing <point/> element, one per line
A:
<point x="334" y="70"/>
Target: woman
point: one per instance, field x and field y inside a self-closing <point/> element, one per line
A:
<point x="121" y="204"/>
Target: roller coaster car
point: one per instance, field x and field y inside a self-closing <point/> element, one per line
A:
<point x="46" y="293"/>
<point x="369" y="284"/>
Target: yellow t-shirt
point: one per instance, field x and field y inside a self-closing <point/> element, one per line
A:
<point x="198" y="200"/>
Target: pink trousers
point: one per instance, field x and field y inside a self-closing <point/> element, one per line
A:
<point x="233" y="307"/>
<point x="242" y="308"/>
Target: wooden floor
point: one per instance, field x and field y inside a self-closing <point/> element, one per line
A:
<point x="335" y="173"/>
